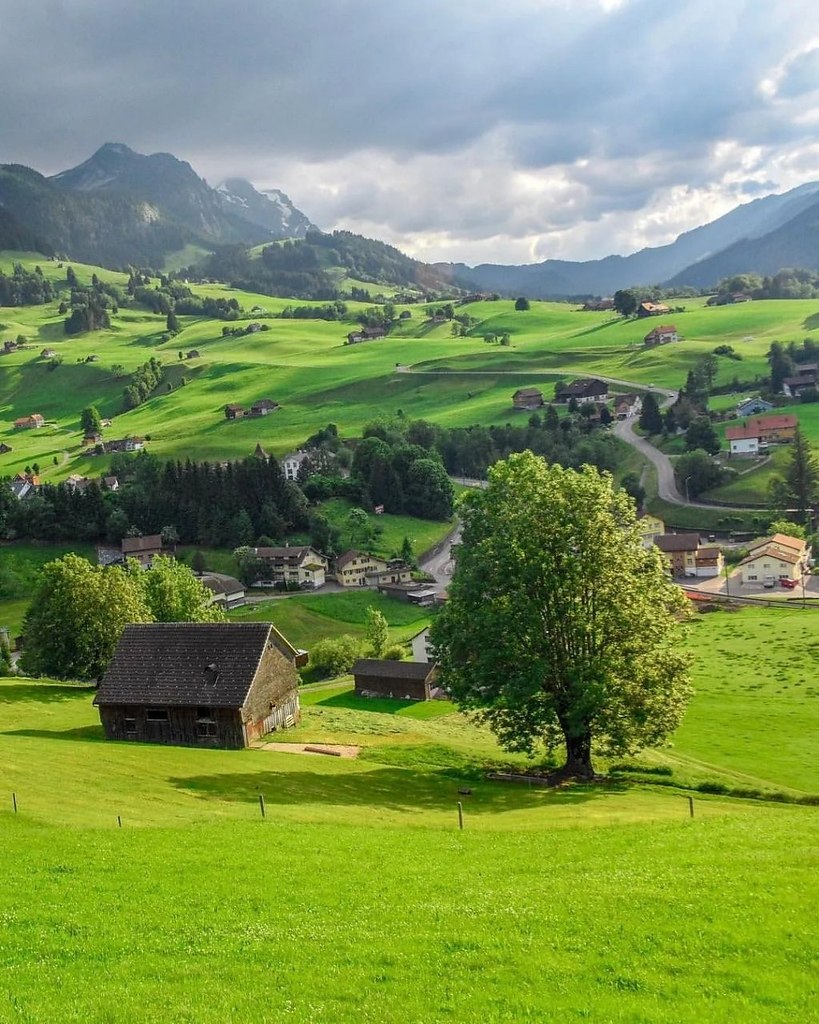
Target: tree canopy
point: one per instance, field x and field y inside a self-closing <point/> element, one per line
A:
<point x="559" y="622"/>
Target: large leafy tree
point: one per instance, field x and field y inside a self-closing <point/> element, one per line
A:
<point x="77" y="613"/>
<point x="174" y="594"/>
<point x="559" y="623"/>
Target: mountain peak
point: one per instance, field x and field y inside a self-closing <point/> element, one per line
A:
<point x="271" y="209"/>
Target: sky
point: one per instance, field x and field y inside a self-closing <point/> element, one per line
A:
<point x="506" y="131"/>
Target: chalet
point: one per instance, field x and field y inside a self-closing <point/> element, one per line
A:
<point x="742" y="440"/>
<point x="199" y="684"/>
<point x="527" y="398"/>
<point x="48" y="353"/>
<point x="301" y="565"/>
<point x="24" y="485"/>
<point x="32" y="422"/>
<point x="421" y="648"/>
<point x="661" y="335"/>
<point x="263" y="407"/>
<point x="365" y="334"/>
<point x="775" y="558"/>
<point x="4" y="448"/>
<point x="77" y="483"/>
<point x="687" y="557"/>
<point x="193" y="354"/>
<point x="650" y="527"/>
<point x="626" y="406"/>
<point x="353" y="567"/>
<point x="234" y="412"/>
<point x="226" y="591"/>
<point x="583" y="390"/>
<point x="753" y="406"/>
<point x="598" y="305"/>
<point x="401" y="680"/>
<point x="652" y="309"/>
<point x="292" y="463"/>
<point x="775" y="428"/>
<point x="142" y="549"/>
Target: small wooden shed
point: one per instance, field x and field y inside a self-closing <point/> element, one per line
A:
<point x="403" y="680"/>
<point x="199" y="684"/>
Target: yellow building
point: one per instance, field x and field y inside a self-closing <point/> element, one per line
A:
<point x="651" y="527"/>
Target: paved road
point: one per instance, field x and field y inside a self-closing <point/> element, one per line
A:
<point x="440" y="566"/>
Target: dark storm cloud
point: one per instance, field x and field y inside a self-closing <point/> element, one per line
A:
<point x="493" y="123"/>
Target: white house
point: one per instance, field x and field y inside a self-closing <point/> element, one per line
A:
<point x="421" y="650"/>
<point x="743" y="440"/>
<point x="292" y="463"/>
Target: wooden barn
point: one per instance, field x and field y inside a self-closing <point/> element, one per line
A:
<point x="403" y="680"/>
<point x="199" y="684"/>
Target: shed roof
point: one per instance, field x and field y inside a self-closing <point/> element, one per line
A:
<point x="132" y="545"/>
<point x="741" y="433"/>
<point x="185" y="663"/>
<point x="784" y="420"/>
<point x="384" y="668"/>
<point x="669" y="542"/>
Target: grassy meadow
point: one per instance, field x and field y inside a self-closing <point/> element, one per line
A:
<point x="357" y="897"/>
<point x="304" y="365"/>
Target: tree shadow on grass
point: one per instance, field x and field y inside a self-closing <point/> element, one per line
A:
<point x="83" y="733"/>
<point x="387" y="788"/>
<point x="382" y="705"/>
<point x="41" y="693"/>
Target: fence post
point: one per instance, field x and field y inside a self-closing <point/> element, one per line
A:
<point x="691" y="806"/>
<point x="14" y="801"/>
<point x="261" y="803"/>
<point x="460" y="815"/>
<point x="119" y="821"/>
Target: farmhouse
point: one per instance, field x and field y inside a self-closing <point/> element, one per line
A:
<point x="291" y="464"/>
<point x="48" y="353"/>
<point x="142" y="549"/>
<point x="753" y="406"/>
<point x="353" y="568"/>
<point x="402" y="680"/>
<point x="234" y="412"/>
<point x="661" y="335"/>
<point x="626" y="406"/>
<point x="776" y="558"/>
<point x="121" y="444"/>
<point x="227" y="592"/>
<point x="302" y="565"/>
<point x="652" y="309"/>
<point x="686" y="557"/>
<point x="527" y="398"/>
<point x="742" y="440"/>
<point x="111" y="483"/>
<point x="598" y="305"/>
<point x="587" y="390"/>
<point x="32" y="422"/>
<point x="365" y="334"/>
<point x="199" y="684"/>
<point x="775" y="428"/>
<point x="263" y="407"/>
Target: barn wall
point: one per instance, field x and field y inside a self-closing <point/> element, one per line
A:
<point x="273" y="699"/>
<point x="384" y="686"/>
<point x="184" y="726"/>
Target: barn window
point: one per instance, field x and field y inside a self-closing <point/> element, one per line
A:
<point x="130" y="728"/>
<point x="205" y="723"/>
<point x="157" y="714"/>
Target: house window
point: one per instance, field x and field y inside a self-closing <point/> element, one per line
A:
<point x="751" y="578"/>
<point x="156" y="714"/>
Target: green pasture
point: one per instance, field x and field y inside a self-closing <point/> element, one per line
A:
<point x="305" y="365"/>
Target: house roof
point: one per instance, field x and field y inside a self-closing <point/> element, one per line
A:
<point x="528" y="392"/>
<point x="783" y="554"/>
<point x="134" y="545"/>
<point x="670" y="542"/>
<point x="185" y="664"/>
<point x="663" y="329"/>
<point x="368" y="668"/>
<point x="265" y="403"/>
<point x="235" y="408"/>
<point x="218" y="583"/>
<point x="779" y="422"/>
<point x="284" y="552"/>
<point x="807" y="380"/>
<point x="295" y="457"/>
<point x="259" y="452"/>
<point x="581" y="388"/>
<point x="352" y="554"/>
<point x="655" y="307"/>
<point x="741" y="433"/>
<point x="782" y="540"/>
<point x="703" y="554"/>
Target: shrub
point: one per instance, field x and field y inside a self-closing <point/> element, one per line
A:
<point x="395" y="652"/>
<point x="335" y="656"/>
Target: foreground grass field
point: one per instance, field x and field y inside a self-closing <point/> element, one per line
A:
<point x="270" y="921"/>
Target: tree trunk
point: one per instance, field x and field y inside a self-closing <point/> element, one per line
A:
<point x="578" y="757"/>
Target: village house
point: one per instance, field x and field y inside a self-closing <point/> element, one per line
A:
<point x="583" y="390"/>
<point x="742" y="440"/>
<point x="805" y="379"/>
<point x="662" y="335"/>
<point x="773" y="429"/>
<point x="142" y="549"/>
<point x="395" y="572"/>
<point x="24" y="485"/>
<point x="753" y="406"/>
<point x="226" y="591"/>
<point x="401" y="680"/>
<point x="199" y="684"/>
<point x="626" y="406"/>
<point x="652" y="309"/>
<point x="263" y="407"/>
<point x="598" y="305"/>
<point x="353" y="567"/>
<point x="302" y="565"/>
<point x="421" y="594"/>
<point x="687" y="557"/>
<point x="48" y="353"/>
<point x="291" y="464"/>
<point x="111" y="483"/>
<point x="76" y="482"/>
<point x="90" y="438"/>
<point x="31" y="422"/>
<point x="365" y="334"/>
<point x="527" y="398"/>
<point x="421" y="647"/>
<point x="234" y="412"/>
<point x="779" y="557"/>
<point x="651" y="527"/>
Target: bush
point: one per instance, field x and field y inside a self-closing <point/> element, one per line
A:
<point x="395" y="652"/>
<point x="335" y="656"/>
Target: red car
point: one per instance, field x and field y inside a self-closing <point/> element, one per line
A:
<point x="788" y="584"/>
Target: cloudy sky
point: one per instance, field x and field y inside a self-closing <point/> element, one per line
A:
<point x="494" y="130"/>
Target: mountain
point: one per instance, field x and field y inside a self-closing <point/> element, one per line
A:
<point x="561" y="278"/>
<point x="270" y="209"/>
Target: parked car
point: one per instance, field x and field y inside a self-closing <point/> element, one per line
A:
<point x="788" y="584"/>
<point x="769" y="584"/>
